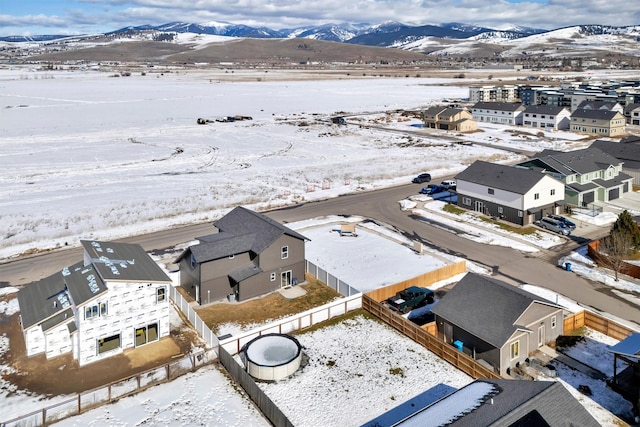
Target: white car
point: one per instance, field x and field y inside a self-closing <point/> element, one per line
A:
<point x="449" y="184"/>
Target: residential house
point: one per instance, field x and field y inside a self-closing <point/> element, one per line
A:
<point x="498" y="324"/>
<point x="504" y="113"/>
<point x="627" y="151"/>
<point x="249" y="256"/>
<point x="626" y="366"/>
<point x="446" y="118"/>
<point x="598" y="122"/>
<point x="116" y="298"/>
<point x="517" y="195"/>
<point x="493" y="403"/>
<point x="547" y="117"/>
<point x="589" y="175"/>
<point x="632" y="114"/>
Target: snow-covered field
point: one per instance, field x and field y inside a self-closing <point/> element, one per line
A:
<point x="86" y="155"/>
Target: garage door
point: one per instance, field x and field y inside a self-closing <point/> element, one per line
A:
<point x="587" y="198"/>
<point x="614" y="193"/>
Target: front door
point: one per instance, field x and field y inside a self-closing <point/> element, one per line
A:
<point x="478" y="206"/>
<point x="541" y="338"/>
<point x="285" y="278"/>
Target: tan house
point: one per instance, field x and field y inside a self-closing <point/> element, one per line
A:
<point x="598" y="122"/>
<point x="447" y="118"/>
<point x="249" y="256"/>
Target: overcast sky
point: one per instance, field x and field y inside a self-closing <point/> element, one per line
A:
<point x="29" y="17"/>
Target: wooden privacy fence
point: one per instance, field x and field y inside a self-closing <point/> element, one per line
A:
<point x="445" y="351"/>
<point x="597" y="323"/>
<point x="423" y="280"/>
<point x="109" y="393"/>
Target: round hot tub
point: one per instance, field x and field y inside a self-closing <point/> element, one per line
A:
<point x="272" y="357"/>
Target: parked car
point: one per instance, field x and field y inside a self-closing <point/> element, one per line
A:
<point x="554" y="225"/>
<point x="432" y="189"/>
<point x="423" y="177"/>
<point x="449" y="184"/>
<point x="564" y="220"/>
<point x="410" y="298"/>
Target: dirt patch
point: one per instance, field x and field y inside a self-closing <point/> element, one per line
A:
<point x="270" y="307"/>
<point x="63" y="375"/>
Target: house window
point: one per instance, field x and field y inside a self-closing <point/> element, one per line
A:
<point x="500" y="210"/>
<point x="553" y="322"/>
<point x="284" y="252"/>
<point x="520" y="214"/>
<point x="490" y="190"/>
<point x="192" y="260"/>
<point x="161" y="294"/>
<point x="90" y="311"/>
<point x="273" y="277"/>
<point x="515" y="349"/>
<point x="536" y="196"/>
<point x="553" y="191"/>
<point x="108" y="344"/>
<point x="103" y="309"/>
<point x="146" y="334"/>
<point x="466" y="201"/>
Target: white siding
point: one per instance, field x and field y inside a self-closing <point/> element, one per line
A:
<point x="57" y="341"/>
<point x="502" y="197"/>
<point x="543" y="189"/>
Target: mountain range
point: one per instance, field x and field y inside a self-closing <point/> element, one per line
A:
<point x="599" y="44"/>
<point x="386" y="34"/>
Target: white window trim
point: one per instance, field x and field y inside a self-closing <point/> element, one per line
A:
<point x="284" y="252"/>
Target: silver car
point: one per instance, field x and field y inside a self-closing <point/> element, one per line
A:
<point x="554" y="225"/>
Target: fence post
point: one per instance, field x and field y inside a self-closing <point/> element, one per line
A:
<point x="79" y="403"/>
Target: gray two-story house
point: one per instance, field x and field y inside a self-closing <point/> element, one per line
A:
<point x="249" y="256"/>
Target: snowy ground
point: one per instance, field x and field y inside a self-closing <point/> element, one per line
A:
<point x="78" y="151"/>
<point x="85" y="155"/>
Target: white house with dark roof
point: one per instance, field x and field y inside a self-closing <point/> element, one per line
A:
<point x="116" y="298"/>
<point x="495" y="322"/>
<point x="546" y="117"/>
<point x="520" y="196"/>
<point x="250" y="255"/>
<point x="590" y="175"/>
<point x="503" y="113"/>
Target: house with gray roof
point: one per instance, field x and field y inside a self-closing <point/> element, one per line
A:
<point x="627" y="151"/>
<point x="632" y="114"/>
<point x="503" y="113"/>
<point x="499" y="403"/>
<point x="599" y="122"/>
<point x="589" y="175"/>
<point x="116" y="298"/>
<point x="496" y="323"/>
<point x="517" y="195"/>
<point x="548" y="117"/>
<point x="250" y="255"/>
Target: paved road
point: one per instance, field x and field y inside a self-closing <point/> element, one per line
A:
<point x="382" y="205"/>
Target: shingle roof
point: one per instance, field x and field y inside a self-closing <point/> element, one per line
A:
<point x="42" y="300"/>
<point x="486" y="307"/>
<point x="595" y="114"/>
<point x="123" y="262"/>
<point x="551" y="110"/>
<point x="509" y="178"/>
<point x="620" y="150"/>
<point x="597" y="105"/>
<point x="245" y="272"/>
<point x="83" y="283"/>
<point x="582" y="161"/>
<point x="518" y="402"/>
<point x="499" y="106"/>
<point x="226" y="245"/>
<point x="241" y="221"/>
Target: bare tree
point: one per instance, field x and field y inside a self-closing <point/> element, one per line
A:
<point x="617" y="247"/>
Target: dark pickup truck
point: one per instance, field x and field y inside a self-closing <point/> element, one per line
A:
<point x="410" y="298"/>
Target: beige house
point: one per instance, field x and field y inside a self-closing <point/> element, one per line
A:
<point x="598" y="122"/>
<point x="446" y="118"/>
